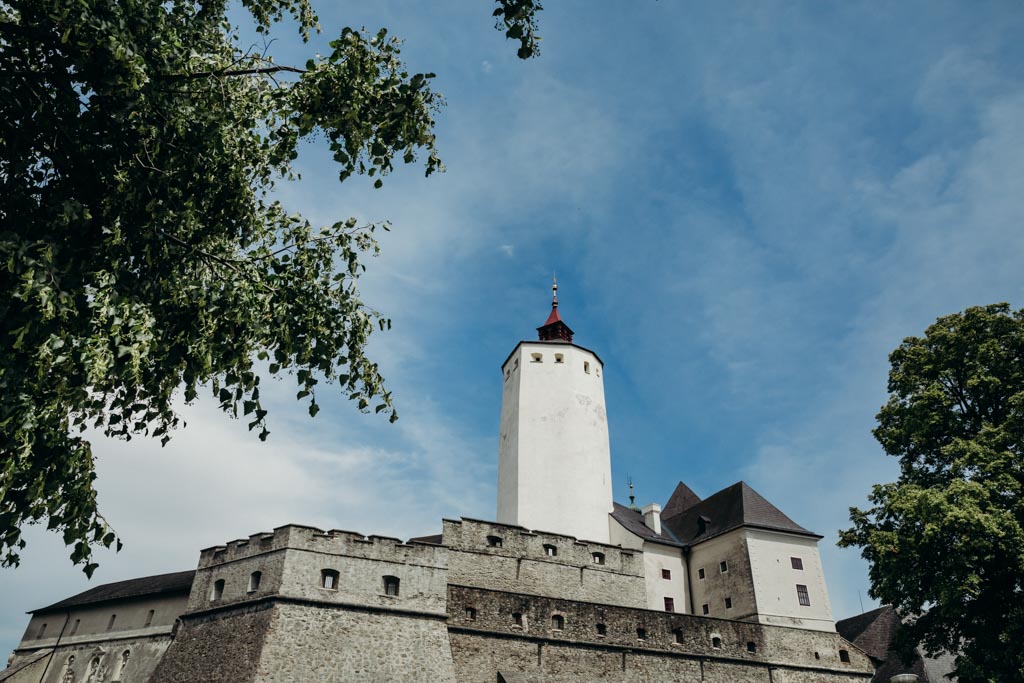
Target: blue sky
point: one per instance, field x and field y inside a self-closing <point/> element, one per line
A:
<point x="748" y="206"/>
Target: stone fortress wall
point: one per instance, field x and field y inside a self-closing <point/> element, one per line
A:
<point x="467" y="610"/>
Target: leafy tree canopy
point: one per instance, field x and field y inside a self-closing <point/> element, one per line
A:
<point x="945" y="542"/>
<point x="141" y="249"/>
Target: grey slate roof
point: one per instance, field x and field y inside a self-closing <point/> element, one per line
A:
<point x="178" y="582"/>
<point x="633" y="521"/>
<point x="873" y="632"/>
<point x="681" y="500"/>
<point x="731" y="508"/>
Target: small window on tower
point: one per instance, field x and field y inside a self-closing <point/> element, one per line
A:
<point x="716" y="642"/>
<point x="536" y="358"/>
<point x="670" y="605"/>
<point x="557" y="622"/>
<point x="550" y="550"/>
<point x="329" y="579"/>
<point x="149" y="618"/>
<point x="74" y="627"/>
<point x="728" y="603"/>
<point x="602" y="630"/>
<point x="666" y="574"/>
<point x="217" y="591"/>
<point x="797" y="563"/>
<point x="641" y="634"/>
<point x="494" y="541"/>
<point x="723" y="566"/>
<point x="700" y="573"/>
<point x="677" y="636"/>
<point x="42" y="631"/>
<point x="705" y="608"/>
<point x="517" y="619"/>
<point x="508" y="373"/>
<point x="559" y="358"/>
<point x="598" y="558"/>
<point x="515" y="364"/>
<point x="471" y="614"/>
<point x="254" y="581"/>
<point x="751" y="646"/>
<point x="391" y="586"/>
<point x="802" y="595"/>
<point x="597" y="370"/>
<point x="586" y="367"/>
<point x="113" y="618"/>
<point x="844" y="656"/>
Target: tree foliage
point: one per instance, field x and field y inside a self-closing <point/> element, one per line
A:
<point x="945" y="542"/>
<point x="142" y="253"/>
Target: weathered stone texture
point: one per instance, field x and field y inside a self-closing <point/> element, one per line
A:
<point x="144" y="655"/>
<point x="521" y="564"/>
<point x="670" y="642"/>
<point x="324" y="643"/>
<point x="716" y="586"/>
<point x="218" y="647"/>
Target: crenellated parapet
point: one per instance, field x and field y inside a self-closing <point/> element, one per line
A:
<point x="329" y="566"/>
<point x="512" y="558"/>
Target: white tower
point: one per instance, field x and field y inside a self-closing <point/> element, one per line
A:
<point x="554" y="461"/>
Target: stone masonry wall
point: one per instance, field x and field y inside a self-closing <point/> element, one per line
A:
<point x="636" y="644"/>
<point x="222" y="646"/>
<point x="332" y="644"/>
<point x="521" y="564"/>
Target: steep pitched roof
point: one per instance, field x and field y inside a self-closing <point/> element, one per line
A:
<point x="731" y="508"/>
<point x="873" y="632"/>
<point x="178" y="582"/>
<point x="681" y="500"/>
<point x="633" y="521"/>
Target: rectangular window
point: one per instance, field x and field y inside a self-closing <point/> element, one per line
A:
<point x="666" y="574"/>
<point x="723" y="566"/>
<point x="74" y="627"/>
<point x="42" y="631"/>
<point x="802" y="595"/>
<point x="705" y="608"/>
<point x="700" y="573"/>
<point x="670" y="605"/>
<point x="728" y="603"/>
<point x="110" y="624"/>
<point x="796" y="562"/>
<point x="149" y="617"/>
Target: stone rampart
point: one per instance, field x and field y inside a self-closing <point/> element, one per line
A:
<point x="511" y="558"/>
<point x="560" y="639"/>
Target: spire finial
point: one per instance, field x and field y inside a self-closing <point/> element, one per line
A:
<point x="632" y="498"/>
<point x="554" y="291"/>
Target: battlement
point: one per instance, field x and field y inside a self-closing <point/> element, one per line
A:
<point x="332" y="542"/>
<point x="509" y="540"/>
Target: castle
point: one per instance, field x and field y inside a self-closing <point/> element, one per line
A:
<point x="565" y="586"/>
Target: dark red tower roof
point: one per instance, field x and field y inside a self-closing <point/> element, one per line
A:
<point x="554" y="329"/>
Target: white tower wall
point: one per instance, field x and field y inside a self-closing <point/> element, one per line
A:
<point x="554" y="459"/>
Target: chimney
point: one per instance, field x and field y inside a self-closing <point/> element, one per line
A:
<point x="652" y="517"/>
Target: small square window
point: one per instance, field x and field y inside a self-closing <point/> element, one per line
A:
<point x="149" y="618"/>
<point x="559" y="358"/>
<point x="550" y="550"/>
<point x="844" y="656"/>
<point x="494" y="541"/>
<point x="471" y="613"/>
<point x="586" y="367"/>
<point x="598" y="558"/>
<point x="677" y="636"/>
<point x="517" y="619"/>
<point x="728" y="603"/>
<point x="536" y="358"/>
<point x="391" y="584"/>
<point x="705" y="608"/>
<point x="802" y="595"/>
<point x="716" y="642"/>
<point x="670" y="605"/>
<point x="666" y="574"/>
<point x="641" y="634"/>
<point x="700" y="573"/>
<point x="797" y="563"/>
<point x="751" y="647"/>
<point x="557" y="622"/>
<point x="110" y="624"/>
<point x="723" y="566"/>
<point x="602" y="630"/>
